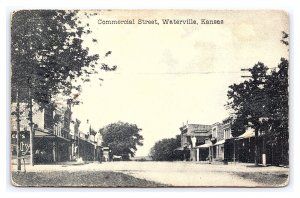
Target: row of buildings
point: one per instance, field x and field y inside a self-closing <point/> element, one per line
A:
<point x="214" y="143"/>
<point x="57" y="137"/>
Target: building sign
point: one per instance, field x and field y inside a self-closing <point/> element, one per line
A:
<point x="24" y="143"/>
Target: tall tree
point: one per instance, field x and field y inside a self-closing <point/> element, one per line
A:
<point x="122" y="138"/>
<point x="261" y="102"/>
<point x="277" y="124"/>
<point x="249" y="102"/>
<point x="47" y="55"/>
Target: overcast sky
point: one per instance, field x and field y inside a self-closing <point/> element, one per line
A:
<point x="170" y="74"/>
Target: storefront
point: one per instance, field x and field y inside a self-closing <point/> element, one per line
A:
<point x="49" y="148"/>
<point x="203" y="152"/>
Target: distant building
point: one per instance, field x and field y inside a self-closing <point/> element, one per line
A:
<point x="193" y="135"/>
<point x="217" y="148"/>
<point x="83" y="141"/>
<point x="221" y="148"/>
<point x="207" y="142"/>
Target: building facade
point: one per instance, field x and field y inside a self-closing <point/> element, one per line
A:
<point x="208" y="142"/>
<point x="56" y="136"/>
<point x="51" y="128"/>
<point x="215" y="144"/>
<point x="192" y="136"/>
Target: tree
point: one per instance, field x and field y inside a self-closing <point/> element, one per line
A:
<point x="277" y="124"/>
<point x="122" y="138"/>
<point x="47" y="56"/>
<point x="280" y="106"/>
<point x="164" y="150"/>
<point x="249" y="102"/>
<point x="261" y="102"/>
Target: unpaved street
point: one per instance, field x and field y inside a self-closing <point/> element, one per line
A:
<point x="181" y="173"/>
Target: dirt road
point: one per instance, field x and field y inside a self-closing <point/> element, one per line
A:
<point x="183" y="173"/>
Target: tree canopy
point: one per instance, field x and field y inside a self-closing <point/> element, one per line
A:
<point x="122" y="138"/>
<point x="249" y="100"/>
<point x="261" y="102"/>
<point x="47" y="54"/>
<point x="164" y="150"/>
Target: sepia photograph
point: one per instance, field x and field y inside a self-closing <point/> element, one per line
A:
<point x="149" y="98"/>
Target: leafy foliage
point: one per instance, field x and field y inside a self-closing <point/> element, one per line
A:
<point x="249" y="100"/>
<point x="163" y="150"/>
<point x="261" y="102"/>
<point x="277" y="87"/>
<point x="49" y="62"/>
<point x="122" y="138"/>
<point x="47" y="55"/>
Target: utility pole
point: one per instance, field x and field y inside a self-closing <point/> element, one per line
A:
<point x="18" y="132"/>
<point x="31" y="129"/>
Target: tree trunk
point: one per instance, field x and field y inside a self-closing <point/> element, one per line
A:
<point x="18" y="132"/>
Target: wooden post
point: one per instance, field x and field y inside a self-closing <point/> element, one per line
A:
<point x="234" y="151"/>
<point x="264" y="156"/>
<point x="78" y="155"/>
<point x="212" y="154"/>
<point x="256" y="147"/>
<point x="54" y="150"/>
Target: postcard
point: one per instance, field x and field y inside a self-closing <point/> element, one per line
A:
<point x="149" y="98"/>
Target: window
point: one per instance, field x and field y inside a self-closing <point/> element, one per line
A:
<point x="214" y="132"/>
<point x="227" y="133"/>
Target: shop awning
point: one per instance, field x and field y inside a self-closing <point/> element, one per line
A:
<point x="62" y="139"/>
<point x="87" y="141"/>
<point x="248" y="133"/>
<point x="207" y="145"/>
<point x="42" y="133"/>
<point x="39" y="133"/>
<point x="220" y="142"/>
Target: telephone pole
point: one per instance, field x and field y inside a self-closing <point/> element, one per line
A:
<point x="31" y="129"/>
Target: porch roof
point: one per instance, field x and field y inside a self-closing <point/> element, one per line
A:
<point x="40" y="133"/>
<point x="248" y="133"/>
<point x="220" y="142"/>
<point x="204" y="145"/>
